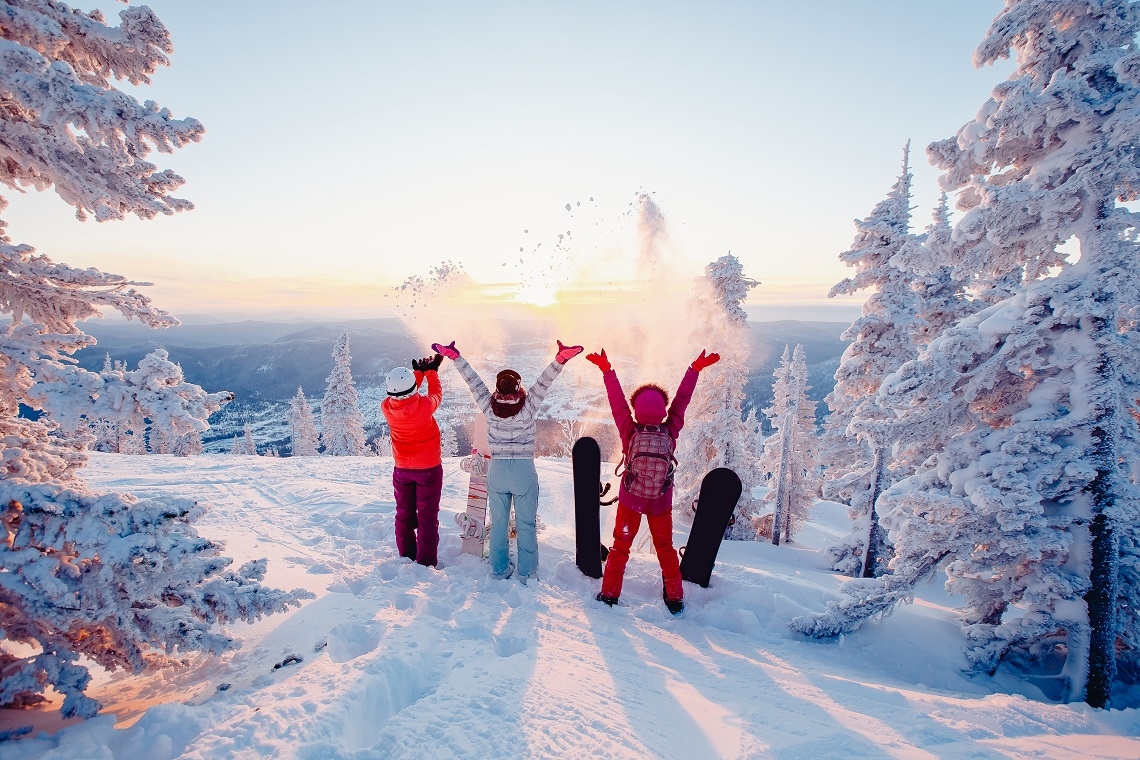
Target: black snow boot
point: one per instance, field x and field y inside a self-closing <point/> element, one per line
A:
<point x="675" y="606"/>
<point x="610" y="600"/>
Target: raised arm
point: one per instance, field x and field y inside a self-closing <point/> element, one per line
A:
<point x="619" y="407"/>
<point x="537" y="392"/>
<point x="684" y="394"/>
<point x="431" y="372"/>
<point x="478" y="388"/>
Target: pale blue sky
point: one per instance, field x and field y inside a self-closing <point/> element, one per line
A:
<point x="354" y="144"/>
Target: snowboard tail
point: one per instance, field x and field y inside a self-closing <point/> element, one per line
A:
<point x="720" y="490"/>
<point x="587" y="460"/>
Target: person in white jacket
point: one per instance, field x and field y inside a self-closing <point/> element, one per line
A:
<point x="511" y="414"/>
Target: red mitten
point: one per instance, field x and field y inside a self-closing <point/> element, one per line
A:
<point x="703" y="361"/>
<point x="600" y="361"/>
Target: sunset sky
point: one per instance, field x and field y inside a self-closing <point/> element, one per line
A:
<point x="350" y="146"/>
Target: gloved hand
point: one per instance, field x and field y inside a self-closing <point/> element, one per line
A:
<point x="566" y="353"/>
<point x="450" y="351"/>
<point x="600" y="361"/>
<point x="418" y="365"/>
<point x="431" y="363"/>
<point x="703" y="361"/>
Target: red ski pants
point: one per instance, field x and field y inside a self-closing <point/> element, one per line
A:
<point x="625" y="530"/>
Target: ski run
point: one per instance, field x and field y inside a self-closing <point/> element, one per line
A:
<point x="393" y="659"/>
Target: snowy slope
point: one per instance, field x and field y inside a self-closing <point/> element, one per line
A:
<point x="398" y="660"/>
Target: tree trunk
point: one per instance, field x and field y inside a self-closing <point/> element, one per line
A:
<point x="1105" y="555"/>
<point x="871" y="552"/>
<point x="1101" y="601"/>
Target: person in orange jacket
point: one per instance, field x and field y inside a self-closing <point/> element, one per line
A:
<point x="417" y="477"/>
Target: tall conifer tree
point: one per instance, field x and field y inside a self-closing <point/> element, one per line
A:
<point x="342" y="425"/>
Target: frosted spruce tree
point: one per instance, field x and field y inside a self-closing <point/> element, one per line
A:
<point x="155" y="398"/>
<point x="791" y="453"/>
<point x="448" y="441"/>
<point x="882" y="339"/>
<point x="715" y="434"/>
<point x="342" y="426"/>
<point x="248" y="447"/>
<point x="1026" y="406"/>
<point x="121" y="582"/>
<point x="188" y="445"/>
<point x="302" y="426"/>
<point x="941" y="295"/>
<point x="382" y="444"/>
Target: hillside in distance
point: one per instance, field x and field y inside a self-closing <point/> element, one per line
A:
<point x="263" y="363"/>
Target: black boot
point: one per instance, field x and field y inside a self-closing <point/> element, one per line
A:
<point x="610" y="600"/>
<point x="675" y="606"/>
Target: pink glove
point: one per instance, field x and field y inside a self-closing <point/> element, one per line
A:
<point x="450" y="351"/>
<point x="703" y="361"/>
<point x="566" y="353"/>
<point x="599" y="360"/>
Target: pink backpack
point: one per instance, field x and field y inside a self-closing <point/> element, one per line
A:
<point x="649" y="461"/>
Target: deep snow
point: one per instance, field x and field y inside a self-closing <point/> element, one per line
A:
<point x="398" y="660"/>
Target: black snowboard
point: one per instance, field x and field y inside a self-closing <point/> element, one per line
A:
<point x="587" y="458"/>
<point x="720" y="490"/>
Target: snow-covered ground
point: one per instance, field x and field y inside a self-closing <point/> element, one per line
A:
<point x="397" y="660"/>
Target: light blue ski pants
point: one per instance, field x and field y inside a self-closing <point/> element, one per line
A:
<point x="513" y="480"/>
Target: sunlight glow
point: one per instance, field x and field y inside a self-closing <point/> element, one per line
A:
<point x="537" y="295"/>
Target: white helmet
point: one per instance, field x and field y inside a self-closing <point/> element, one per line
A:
<point x="401" y="382"/>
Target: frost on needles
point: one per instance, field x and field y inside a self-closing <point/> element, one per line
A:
<point x="1022" y="416"/>
<point x="124" y="582"/>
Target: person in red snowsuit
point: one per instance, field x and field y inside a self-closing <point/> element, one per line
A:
<point x="650" y="407"/>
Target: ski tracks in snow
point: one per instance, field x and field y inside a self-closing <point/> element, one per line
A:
<point x="398" y="660"/>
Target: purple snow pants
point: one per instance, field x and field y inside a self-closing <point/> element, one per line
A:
<point x="417" y="512"/>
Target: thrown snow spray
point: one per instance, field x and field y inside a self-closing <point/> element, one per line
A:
<point x="639" y="301"/>
<point x="652" y="234"/>
<point x="444" y="306"/>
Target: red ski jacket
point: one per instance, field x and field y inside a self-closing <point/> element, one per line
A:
<point x="415" y="434"/>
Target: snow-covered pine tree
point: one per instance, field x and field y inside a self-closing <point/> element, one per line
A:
<point x="569" y="431"/>
<point x="303" y="428"/>
<point x="157" y="391"/>
<point x="238" y="448"/>
<point x="382" y="444"/>
<point x="133" y="442"/>
<point x="159" y="441"/>
<point x="882" y="339"/>
<point x="342" y="425"/>
<point x="791" y="453"/>
<point x="941" y="295"/>
<point x="108" y="577"/>
<point x="448" y="441"/>
<point x="248" y="447"/>
<point x="715" y="434"/>
<point x="188" y="445"/>
<point x="1027" y="506"/>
